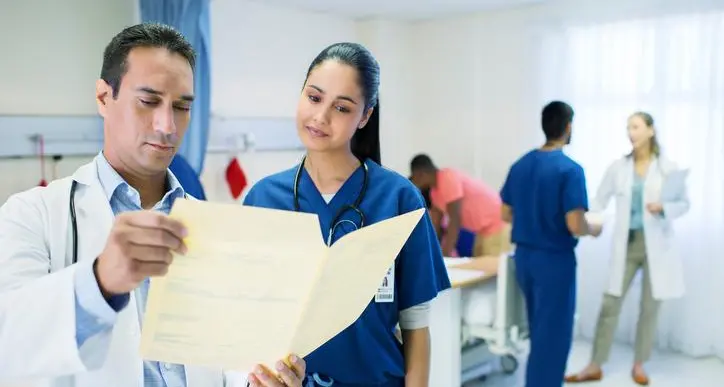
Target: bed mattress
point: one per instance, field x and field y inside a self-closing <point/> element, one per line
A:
<point x="478" y="304"/>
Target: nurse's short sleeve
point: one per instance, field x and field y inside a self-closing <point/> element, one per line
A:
<point x="575" y="196"/>
<point x="449" y="187"/>
<point x="420" y="271"/>
<point x="250" y="198"/>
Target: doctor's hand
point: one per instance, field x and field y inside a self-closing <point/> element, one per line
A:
<point x="655" y="208"/>
<point x="139" y="246"/>
<point x="595" y="229"/>
<point x="286" y="376"/>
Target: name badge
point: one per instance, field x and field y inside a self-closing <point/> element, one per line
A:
<point x="386" y="291"/>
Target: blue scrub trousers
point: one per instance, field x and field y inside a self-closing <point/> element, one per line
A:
<point x="548" y="282"/>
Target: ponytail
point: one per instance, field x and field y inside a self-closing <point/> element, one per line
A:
<point x="366" y="141"/>
<point x="655" y="147"/>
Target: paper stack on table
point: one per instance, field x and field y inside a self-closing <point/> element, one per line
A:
<point x="457" y="275"/>
<point x="257" y="285"/>
<point x="455" y="261"/>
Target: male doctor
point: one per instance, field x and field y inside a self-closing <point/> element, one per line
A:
<point x="72" y="324"/>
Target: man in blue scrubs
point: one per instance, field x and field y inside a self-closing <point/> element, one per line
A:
<point x="544" y="196"/>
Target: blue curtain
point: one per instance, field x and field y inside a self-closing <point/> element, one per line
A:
<point x="192" y="19"/>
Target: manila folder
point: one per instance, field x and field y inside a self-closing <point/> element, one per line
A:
<point x="259" y="284"/>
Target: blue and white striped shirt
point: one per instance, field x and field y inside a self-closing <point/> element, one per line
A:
<point x="93" y="313"/>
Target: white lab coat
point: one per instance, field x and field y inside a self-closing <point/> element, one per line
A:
<point x="37" y="303"/>
<point x="665" y="264"/>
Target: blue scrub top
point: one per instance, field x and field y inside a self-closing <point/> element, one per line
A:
<point x="187" y="176"/>
<point x="541" y="187"/>
<point x="367" y="352"/>
<point x="637" y="203"/>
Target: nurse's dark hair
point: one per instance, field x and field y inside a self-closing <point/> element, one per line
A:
<point x="147" y="35"/>
<point x="555" y="118"/>
<point x="366" y="141"/>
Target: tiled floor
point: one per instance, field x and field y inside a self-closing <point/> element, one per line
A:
<point x="665" y="370"/>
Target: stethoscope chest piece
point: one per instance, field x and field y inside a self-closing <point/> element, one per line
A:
<point x="337" y="219"/>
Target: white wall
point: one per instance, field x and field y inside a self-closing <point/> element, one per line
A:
<point x="390" y="41"/>
<point x="462" y="89"/>
<point x="476" y="78"/>
<point x="51" y="57"/>
<point x="260" y="57"/>
<point x="475" y="108"/>
<point x="261" y="54"/>
<point x="52" y="53"/>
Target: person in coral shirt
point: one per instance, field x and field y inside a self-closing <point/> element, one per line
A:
<point x="468" y="204"/>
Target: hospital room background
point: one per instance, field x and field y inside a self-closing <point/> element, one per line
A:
<point x="462" y="80"/>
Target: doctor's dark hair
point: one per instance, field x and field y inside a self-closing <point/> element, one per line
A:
<point x="555" y="118"/>
<point x="150" y="35"/>
<point x="366" y="141"/>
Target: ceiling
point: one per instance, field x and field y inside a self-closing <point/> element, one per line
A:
<point x="400" y="9"/>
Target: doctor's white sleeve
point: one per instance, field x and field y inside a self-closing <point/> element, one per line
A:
<point x="93" y="314"/>
<point x="38" y="305"/>
<point x="606" y="189"/>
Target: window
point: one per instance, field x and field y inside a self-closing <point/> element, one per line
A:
<point x="672" y="68"/>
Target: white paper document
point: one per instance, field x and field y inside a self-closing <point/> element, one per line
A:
<point x="257" y="285"/>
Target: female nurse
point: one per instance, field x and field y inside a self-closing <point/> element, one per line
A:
<point x="642" y="236"/>
<point x="340" y="179"/>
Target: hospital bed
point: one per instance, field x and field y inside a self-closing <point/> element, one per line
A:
<point x="477" y="327"/>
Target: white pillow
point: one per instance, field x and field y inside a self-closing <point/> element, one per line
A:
<point x="479" y="303"/>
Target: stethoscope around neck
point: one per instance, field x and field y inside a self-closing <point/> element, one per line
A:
<point x="337" y="220"/>
<point x="74" y="219"/>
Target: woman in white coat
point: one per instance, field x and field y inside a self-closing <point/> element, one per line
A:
<point x="641" y="241"/>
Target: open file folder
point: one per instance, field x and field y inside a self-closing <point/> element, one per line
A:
<point x="258" y="284"/>
<point x="673" y="187"/>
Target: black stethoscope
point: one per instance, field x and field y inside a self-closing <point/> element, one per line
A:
<point x="74" y="221"/>
<point x="337" y="220"/>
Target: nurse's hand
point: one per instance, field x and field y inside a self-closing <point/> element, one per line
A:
<point x="139" y="246"/>
<point x="286" y="376"/>
<point x="655" y="208"/>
